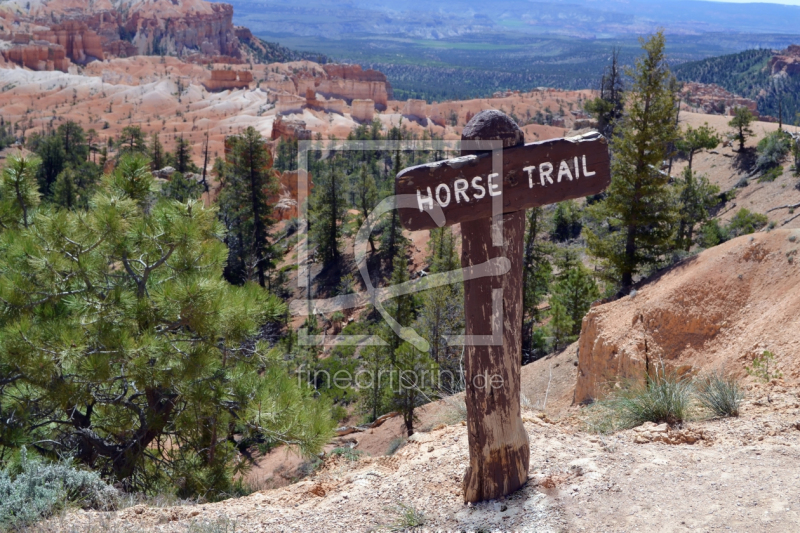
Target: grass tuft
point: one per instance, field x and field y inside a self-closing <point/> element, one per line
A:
<point x="406" y="518"/>
<point x="720" y="394"/>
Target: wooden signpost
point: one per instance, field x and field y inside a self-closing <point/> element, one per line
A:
<point x="471" y="189"/>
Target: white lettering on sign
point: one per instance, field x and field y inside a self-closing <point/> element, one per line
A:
<point x="493" y="187"/>
<point x="529" y="170"/>
<point x="545" y="170"/>
<point x="586" y="173"/>
<point x="476" y="185"/>
<point x="461" y="187"/>
<point x="563" y="170"/>
<point x="422" y="201"/>
<point x="439" y="188"/>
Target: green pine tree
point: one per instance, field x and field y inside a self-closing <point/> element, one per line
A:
<point x="121" y="344"/>
<point x="575" y="293"/>
<point x="19" y="191"/>
<point x="248" y="179"/>
<point x="639" y="210"/>
<point x="696" y="197"/>
<point x="742" y="118"/>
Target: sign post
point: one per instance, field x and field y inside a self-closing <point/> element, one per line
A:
<point x="487" y="190"/>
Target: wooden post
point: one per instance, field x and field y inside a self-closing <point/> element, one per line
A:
<point x="469" y="190"/>
<point x="498" y="443"/>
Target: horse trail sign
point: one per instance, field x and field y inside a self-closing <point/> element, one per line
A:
<point x="487" y="191"/>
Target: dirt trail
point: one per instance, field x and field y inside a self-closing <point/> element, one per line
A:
<point x="739" y="475"/>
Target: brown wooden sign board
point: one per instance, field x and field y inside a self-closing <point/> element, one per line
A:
<point x="532" y="175"/>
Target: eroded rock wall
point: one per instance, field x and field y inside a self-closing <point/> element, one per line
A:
<point x="715" y="310"/>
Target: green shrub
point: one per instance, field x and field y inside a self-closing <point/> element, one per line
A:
<point x="348" y="453"/>
<point x="720" y="394"/>
<point x="663" y="398"/>
<point x="34" y="490"/>
<point x="771" y="175"/>
<point x="772" y="149"/>
<point x="745" y="222"/>
<point x="395" y="445"/>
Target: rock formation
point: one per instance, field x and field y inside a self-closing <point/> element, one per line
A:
<point x="90" y="30"/>
<point x="715" y="100"/>
<point x="222" y="80"/>
<point x="80" y="43"/>
<point x="285" y="201"/>
<point x="787" y="61"/>
<point x="38" y="55"/>
<point x="351" y="82"/>
<point x="362" y="110"/>
<point x="715" y="310"/>
<point x="289" y="129"/>
<point x="415" y="109"/>
<point x="289" y="103"/>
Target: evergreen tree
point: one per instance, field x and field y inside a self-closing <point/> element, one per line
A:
<point x="567" y="223"/>
<point x="575" y="293"/>
<point x="373" y="381"/>
<point x="561" y="325"/>
<point x="608" y="107"/>
<point x="366" y="193"/>
<point x="639" y="209"/>
<point x="181" y="188"/>
<point x="64" y="191"/>
<point x="742" y="118"/>
<point x="50" y="149"/>
<point x="19" y="191"/>
<point x="121" y="344"/>
<point x="537" y="272"/>
<point x="248" y="179"/>
<point x="183" y="156"/>
<point x="328" y="208"/>
<point x="696" y="197"/>
<point x="414" y="379"/>
<point x="394" y="233"/>
<point x="156" y="153"/>
<point x="441" y="311"/>
<point x="693" y="140"/>
<point x="131" y="140"/>
<point x="73" y="139"/>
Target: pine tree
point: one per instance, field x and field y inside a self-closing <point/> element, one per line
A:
<point x="608" y="107"/>
<point x="441" y="311"/>
<point x="575" y="293"/>
<point x="414" y="380"/>
<point x="121" y="344"/>
<point x="131" y="140"/>
<point x="394" y="233"/>
<point x="639" y="210"/>
<point x="696" y="197"/>
<point x="327" y="211"/>
<point x="156" y="153"/>
<point x="742" y="118"/>
<point x="19" y="191"/>
<point x="183" y="156"/>
<point x="64" y="190"/>
<point x="537" y="273"/>
<point x="693" y="140"/>
<point x="73" y="140"/>
<point x="50" y="149"/>
<point x="561" y="325"/>
<point x="247" y="180"/>
<point x="366" y="194"/>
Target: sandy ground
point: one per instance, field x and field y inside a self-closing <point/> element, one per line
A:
<point x="739" y="475"/>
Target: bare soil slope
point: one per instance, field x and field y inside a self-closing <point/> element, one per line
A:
<point x="715" y="310"/>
